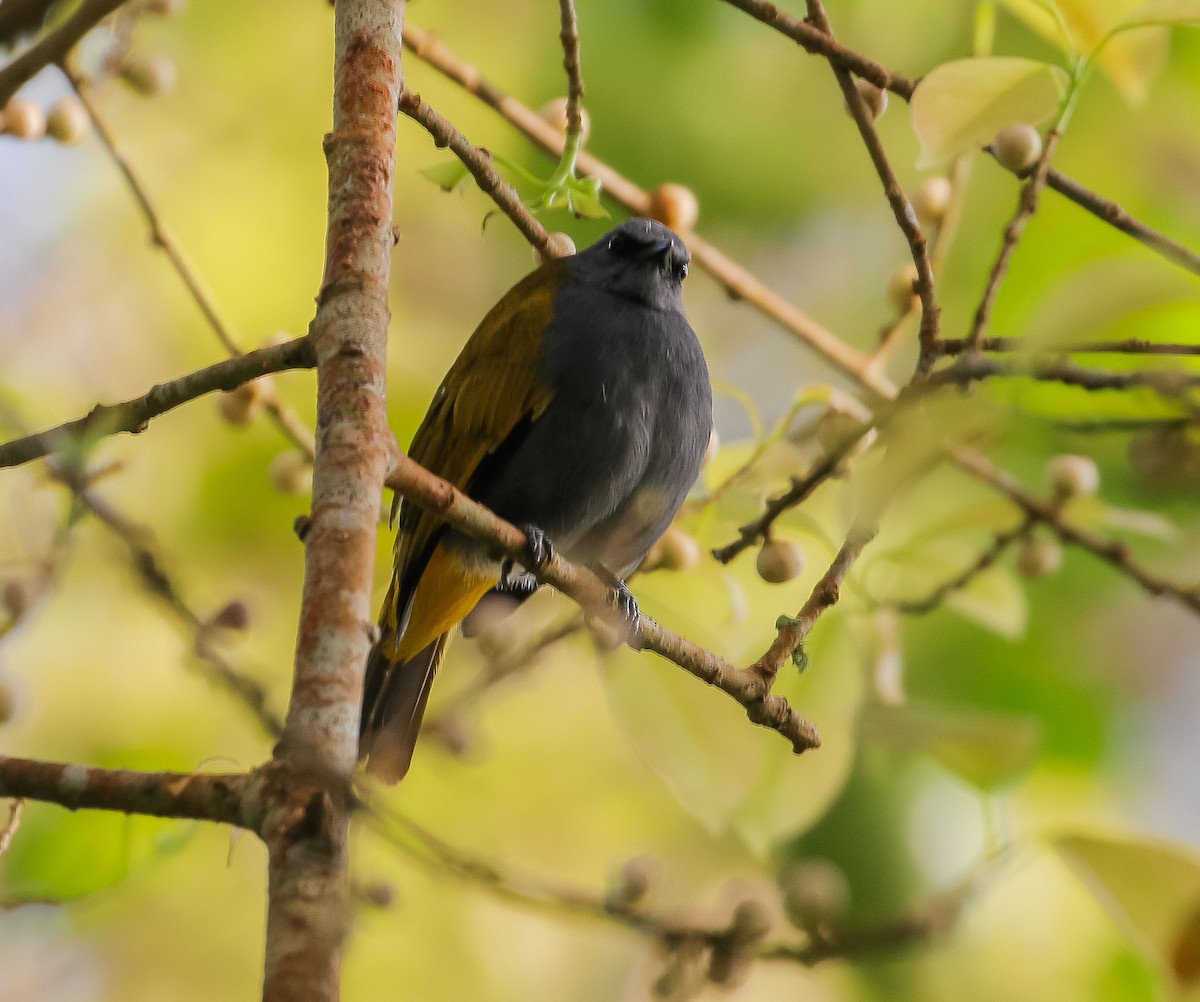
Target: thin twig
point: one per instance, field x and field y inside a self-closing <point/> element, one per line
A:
<point x="54" y="46"/>
<point x="569" y="35"/>
<point x="1125" y="346"/>
<point x="1027" y="205"/>
<point x="9" y="831"/>
<point x="818" y="43"/>
<point x="792" y="633"/>
<point x="593" y="595"/>
<point x="149" y="568"/>
<point x="1000" y="542"/>
<point x="479" y="162"/>
<point x="1111" y="551"/>
<point x="284" y="418"/>
<point x="972" y="367"/>
<point x="902" y="210"/>
<point x="134" y="415"/>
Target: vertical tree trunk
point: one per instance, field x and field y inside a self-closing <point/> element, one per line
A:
<point x="308" y="784"/>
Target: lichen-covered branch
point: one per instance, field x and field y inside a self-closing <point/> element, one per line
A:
<point x="220" y="797"/>
<point x="307" y="795"/>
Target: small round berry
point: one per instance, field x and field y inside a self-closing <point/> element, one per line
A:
<point x="379" y="894"/>
<point x="875" y="98"/>
<point x="1072" y="476"/>
<point x="780" y="560"/>
<point x="1018" y="147"/>
<point x="834" y="427"/>
<point x="631" y="884"/>
<point x="555" y="112"/>
<point x="713" y="447"/>
<point x="17" y="596"/>
<point x="675" y="205"/>
<point x="24" y="119"/>
<point x="932" y="199"/>
<point x="815" y="893"/>
<point x="68" y="121"/>
<point x="679" y="550"/>
<point x="165" y="8"/>
<point x="558" y="244"/>
<point x="291" y="472"/>
<point x="1039" y="556"/>
<point x="242" y="405"/>
<point x="150" y="75"/>
<point x="900" y="291"/>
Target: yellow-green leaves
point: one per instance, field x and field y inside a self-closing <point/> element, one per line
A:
<point x="1151" y="888"/>
<point x="961" y="105"/>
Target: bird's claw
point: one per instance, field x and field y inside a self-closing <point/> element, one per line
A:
<point x="540" y="549"/>
<point x="621" y="598"/>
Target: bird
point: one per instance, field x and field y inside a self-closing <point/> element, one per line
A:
<point x="580" y="410"/>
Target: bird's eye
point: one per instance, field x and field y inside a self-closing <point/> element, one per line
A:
<point x="681" y="271"/>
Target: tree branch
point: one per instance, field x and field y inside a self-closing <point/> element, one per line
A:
<point x="972" y="367"/>
<point x="1111" y="551"/>
<point x="134" y="415"/>
<point x="906" y="218"/>
<point x="737" y="280"/>
<point x="593" y="595"/>
<point x="569" y="35"/>
<point x="54" y="46"/>
<point x="1027" y="205"/>
<point x="308" y="796"/>
<point x="818" y="43"/>
<point x="479" y="162"/>
<point x="1127" y="346"/>
<point x="220" y="797"/>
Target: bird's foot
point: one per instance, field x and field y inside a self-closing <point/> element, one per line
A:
<point x="622" y="599"/>
<point x="540" y="553"/>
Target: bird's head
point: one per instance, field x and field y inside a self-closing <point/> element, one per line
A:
<point x="641" y="259"/>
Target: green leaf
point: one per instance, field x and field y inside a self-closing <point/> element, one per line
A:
<point x="1165" y="12"/>
<point x="1151" y="888"/>
<point x="994" y="600"/>
<point x="1130" y="60"/>
<point x="961" y="105"/>
<point x="585" y="205"/>
<point x="60" y="856"/>
<point x="987" y="750"/>
<point x="447" y="176"/>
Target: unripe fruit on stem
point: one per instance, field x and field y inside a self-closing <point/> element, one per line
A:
<point x="558" y="244"/>
<point x="555" y="112"/>
<point x="150" y="75"/>
<point x="631" y="884"/>
<point x="68" y="120"/>
<point x="900" y="290"/>
<point x="815" y="893"/>
<point x="291" y="472"/>
<point x="932" y="199"/>
<point x="1039" y="556"/>
<point x="24" y="119"/>
<point x="1072" y="476"/>
<point x="679" y="550"/>
<point x="234" y="616"/>
<point x="165" y="7"/>
<point x="240" y="406"/>
<point x="780" y="560"/>
<point x="873" y="97"/>
<point x="1018" y="147"/>
<point x="675" y="205"/>
<point x="17" y="596"/>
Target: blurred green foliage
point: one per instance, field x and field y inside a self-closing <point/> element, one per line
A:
<point x="1070" y="700"/>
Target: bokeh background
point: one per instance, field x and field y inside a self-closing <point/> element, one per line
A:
<point x="1038" y="711"/>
